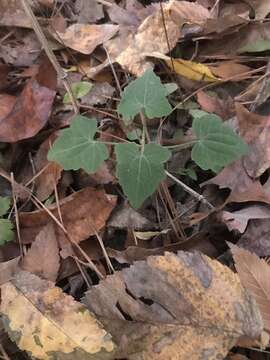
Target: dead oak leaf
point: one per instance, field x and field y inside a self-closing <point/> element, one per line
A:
<point x="85" y="38"/>
<point x="257" y="237"/>
<point x="238" y="220"/>
<point x="29" y="113"/>
<point x="50" y="324"/>
<point x="243" y="188"/>
<point x="254" y="274"/>
<point x="255" y="129"/>
<point x="260" y="7"/>
<point x="181" y="306"/>
<point x="83" y="213"/>
<point x="43" y="257"/>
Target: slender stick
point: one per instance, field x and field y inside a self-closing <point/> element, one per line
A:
<point x="192" y="192"/>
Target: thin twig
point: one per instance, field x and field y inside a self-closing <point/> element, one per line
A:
<point x="42" y="39"/>
<point x="192" y="192"/>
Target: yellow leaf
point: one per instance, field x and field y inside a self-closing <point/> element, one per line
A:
<point x="49" y="324"/>
<point x="192" y="70"/>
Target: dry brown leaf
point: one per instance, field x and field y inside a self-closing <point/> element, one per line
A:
<point x="29" y="113"/>
<point x="243" y="188"/>
<point x="8" y="269"/>
<point x="88" y="11"/>
<point x="260" y="7"/>
<point x="83" y="213"/>
<point x="254" y="274"/>
<point x="43" y="257"/>
<point x="255" y="129"/>
<point x="50" y="324"/>
<point x="85" y="38"/>
<point x="214" y="104"/>
<point x="238" y="220"/>
<point x="257" y="237"/>
<point x="132" y="44"/>
<point x="181" y="306"/>
<point x="231" y="70"/>
<point x="48" y="179"/>
<point x="13" y="14"/>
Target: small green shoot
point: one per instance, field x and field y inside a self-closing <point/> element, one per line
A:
<point x="79" y="90"/>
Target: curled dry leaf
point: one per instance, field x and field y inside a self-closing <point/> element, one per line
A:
<point x="49" y="324"/>
<point x="131" y="47"/>
<point x="83" y="213"/>
<point x="238" y="220"/>
<point x="254" y="274"/>
<point x="243" y="188"/>
<point x="181" y="306"/>
<point x="29" y="113"/>
<point x="260" y="7"/>
<point x="85" y="38"/>
<point x="43" y="257"/>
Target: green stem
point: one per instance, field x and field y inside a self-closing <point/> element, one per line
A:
<point x="182" y="146"/>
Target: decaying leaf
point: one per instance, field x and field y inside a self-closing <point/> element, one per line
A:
<point x="243" y="188"/>
<point x="254" y="274"/>
<point x="130" y="47"/>
<point x="255" y="129"/>
<point x="8" y="269"/>
<point x="49" y="324"/>
<point x="29" y="113"/>
<point x="257" y="237"/>
<point x="181" y="306"/>
<point x="43" y="257"/>
<point x="239" y="219"/>
<point x="191" y="70"/>
<point x="83" y="213"/>
<point x="85" y="38"/>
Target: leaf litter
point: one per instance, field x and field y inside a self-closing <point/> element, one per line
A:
<point x="134" y="147"/>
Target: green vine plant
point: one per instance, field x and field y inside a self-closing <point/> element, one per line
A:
<point x="140" y="164"/>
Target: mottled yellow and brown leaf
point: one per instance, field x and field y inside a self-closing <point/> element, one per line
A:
<point x="49" y="324"/>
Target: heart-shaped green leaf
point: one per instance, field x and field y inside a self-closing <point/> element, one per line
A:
<point x="76" y="148"/>
<point x="140" y="169"/>
<point x="217" y="145"/>
<point x="146" y="94"/>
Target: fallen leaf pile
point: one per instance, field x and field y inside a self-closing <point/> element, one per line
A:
<point x="134" y="179"/>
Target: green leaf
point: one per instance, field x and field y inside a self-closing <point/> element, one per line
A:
<point x="140" y="170"/>
<point x="146" y="94"/>
<point x="6" y="231"/>
<point x="79" y="89"/>
<point x="170" y="88"/>
<point x="4" y="205"/>
<point x="217" y="145"/>
<point x="76" y="148"/>
<point x="256" y="46"/>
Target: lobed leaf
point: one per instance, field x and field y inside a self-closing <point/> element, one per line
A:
<point x="76" y="147"/>
<point x="140" y="169"/>
<point x="146" y="94"/>
<point x="217" y="145"/>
